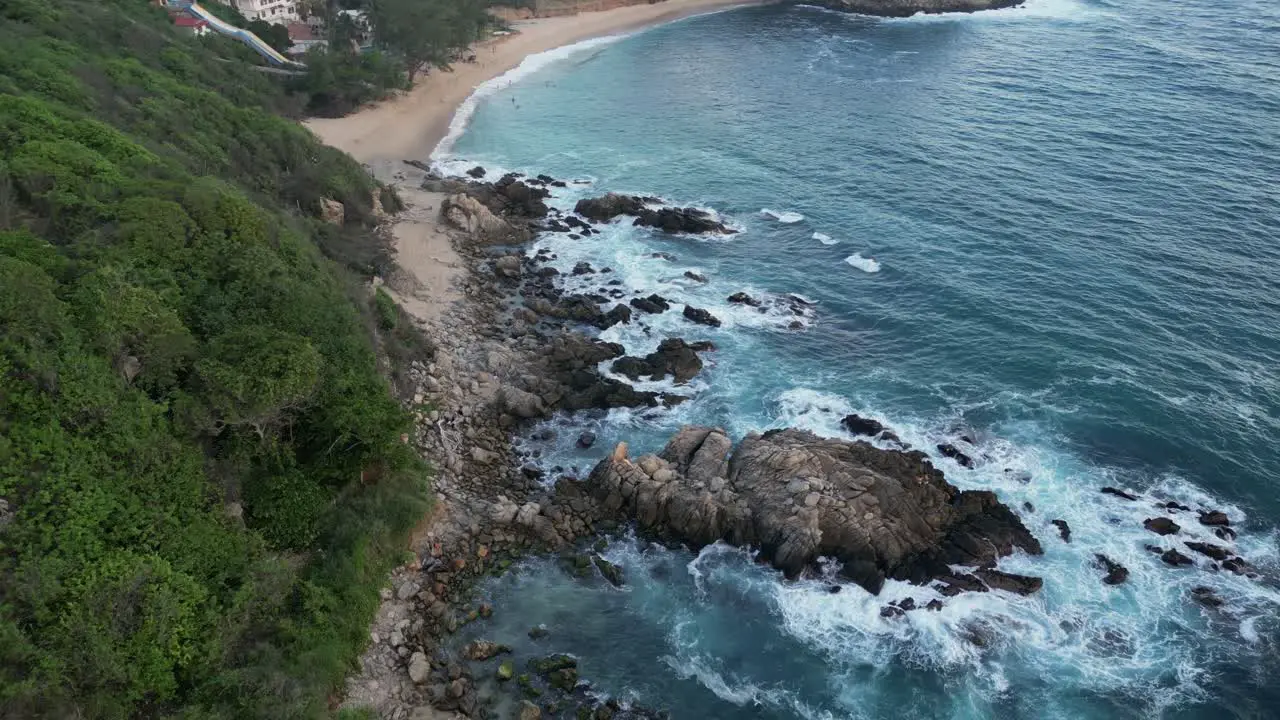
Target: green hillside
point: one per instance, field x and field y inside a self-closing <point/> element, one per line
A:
<point x="202" y="479"/>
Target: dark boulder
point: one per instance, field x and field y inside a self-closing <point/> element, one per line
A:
<point x="608" y="570"/>
<point x="586" y="439"/>
<point x="1214" y="518"/>
<point x="604" y="209"/>
<point x="1225" y="533"/>
<point x="798" y="498"/>
<point x="583" y="268"/>
<point x="1172" y="506"/>
<point x="476" y="172"/>
<point x="1236" y="565"/>
<point x="696" y="277"/>
<point x="1175" y="558"/>
<point x="1161" y="526"/>
<point x="741" y="298"/>
<point x="653" y="304"/>
<point x="951" y="451"/>
<point x="935" y="605"/>
<point x="1217" y="552"/>
<point x="682" y="220"/>
<point x="619" y="314"/>
<point x="1064" y="530"/>
<point x="1116" y="573"/>
<point x="673" y="357"/>
<point x="1206" y="596"/>
<point x="953" y="585"/>
<point x="1008" y="582"/>
<point x="1118" y="493"/>
<point x="858" y="425"/>
<point x="700" y="316"/>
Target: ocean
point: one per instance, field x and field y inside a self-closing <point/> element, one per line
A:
<point x="1055" y="229"/>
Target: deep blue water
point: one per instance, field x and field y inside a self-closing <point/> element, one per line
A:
<point x="1074" y="215"/>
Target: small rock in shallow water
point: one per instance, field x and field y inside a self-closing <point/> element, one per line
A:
<point x="1064" y="530"/>
<point x="1116" y="573"/>
<point x="1214" y="518"/>
<point x="1217" y="552"/>
<point x="1206" y="597"/>
<point x="506" y="671"/>
<point x="586" y="440"/>
<point x="1118" y="493"/>
<point x="1161" y="526"/>
<point x="1176" y="559"/>
<point x="539" y="632"/>
<point x="951" y="451"/>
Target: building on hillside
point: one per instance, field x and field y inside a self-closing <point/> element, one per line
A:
<point x="272" y="11"/>
<point x="194" y="26"/>
<point x="304" y="38"/>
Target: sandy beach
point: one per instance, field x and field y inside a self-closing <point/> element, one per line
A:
<point x="411" y="125"/>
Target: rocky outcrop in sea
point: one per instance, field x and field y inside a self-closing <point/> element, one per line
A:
<point x="907" y="8"/>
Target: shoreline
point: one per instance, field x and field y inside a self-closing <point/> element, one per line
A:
<point x="411" y="125"/>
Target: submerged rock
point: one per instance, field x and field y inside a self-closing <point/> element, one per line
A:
<point x="1161" y="526"/>
<point x="667" y="219"/>
<point x="1064" y="530"/>
<point x="608" y="570"/>
<point x="1118" y="493"/>
<point x="951" y="451"/>
<point x="1214" y="518"/>
<point x="700" y="316"/>
<point x="798" y="497"/>
<point x="1116" y="573"/>
<point x="673" y="357"/>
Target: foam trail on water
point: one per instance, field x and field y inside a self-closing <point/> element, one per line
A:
<point x="824" y="238"/>
<point x="783" y="216"/>
<point x="531" y="64"/>
<point x="868" y="265"/>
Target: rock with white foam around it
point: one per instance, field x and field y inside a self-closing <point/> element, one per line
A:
<point x="798" y="497"/>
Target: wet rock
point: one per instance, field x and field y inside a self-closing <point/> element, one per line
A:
<point x="1009" y="582"/>
<point x="798" y="497"/>
<point x="619" y="314"/>
<point x="481" y="650"/>
<point x="673" y="357"/>
<point x="1206" y="596"/>
<point x="506" y="671"/>
<point x="951" y="451"/>
<point x="586" y="439"/>
<point x="538" y="632"/>
<point x="934" y="605"/>
<point x="583" y="268"/>
<point x="608" y="207"/>
<point x="1214" y="518"/>
<point x="529" y="711"/>
<point x="551" y="663"/>
<point x="1236" y="565"/>
<point x="1225" y="533"/>
<point x="1064" y="530"/>
<point x="891" y="611"/>
<point x="1171" y="505"/>
<point x="476" y="172"/>
<point x="700" y="316"/>
<point x="1116" y="573"/>
<point x="683" y="220"/>
<point x="608" y="570"/>
<point x="696" y="277"/>
<point x="1119" y="493"/>
<point x="1217" y="552"/>
<point x="653" y="304"/>
<point x="741" y="298"/>
<point x="1175" y="558"/>
<point x="1161" y="526"/>
<point x="858" y="425"/>
<point x="908" y="604"/>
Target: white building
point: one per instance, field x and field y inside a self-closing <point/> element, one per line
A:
<point x="272" y="11"/>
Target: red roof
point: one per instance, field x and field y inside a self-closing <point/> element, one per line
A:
<point x="189" y="22"/>
<point x="300" y="31"/>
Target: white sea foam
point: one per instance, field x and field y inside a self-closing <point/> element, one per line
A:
<point x="868" y="265"/>
<point x="528" y="66"/>
<point x="785" y="217"/>
<point x="824" y="238"/>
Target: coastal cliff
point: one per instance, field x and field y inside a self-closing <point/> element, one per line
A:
<point x="907" y="8"/>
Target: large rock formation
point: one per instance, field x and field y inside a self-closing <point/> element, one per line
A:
<point x="667" y="219"/>
<point x="798" y="497"/>
<point x="907" y="8"/>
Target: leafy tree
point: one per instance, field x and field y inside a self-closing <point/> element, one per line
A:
<point x="273" y="34"/>
<point x="427" y="33"/>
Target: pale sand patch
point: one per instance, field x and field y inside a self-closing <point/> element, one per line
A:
<point x="423" y="283"/>
<point x="411" y="125"/>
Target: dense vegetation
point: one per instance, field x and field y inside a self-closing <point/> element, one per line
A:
<point x="202" y="478"/>
<point x="384" y="47"/>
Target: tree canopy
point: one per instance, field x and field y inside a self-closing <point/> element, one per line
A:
<point x="189" y="393"/>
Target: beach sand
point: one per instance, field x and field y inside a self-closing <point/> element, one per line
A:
<point x="411" y="125"/>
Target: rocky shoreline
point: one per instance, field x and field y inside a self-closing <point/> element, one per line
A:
<point x="517" y="348"/>
<point x="907" y="8"/>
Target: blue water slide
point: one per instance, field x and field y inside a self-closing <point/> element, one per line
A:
<point x="244" y="36"/>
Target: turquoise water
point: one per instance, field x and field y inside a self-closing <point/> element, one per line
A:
<point x="1057" y="228"/>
